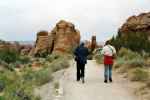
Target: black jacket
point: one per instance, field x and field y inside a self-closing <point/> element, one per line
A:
<point x="81" y="54"/>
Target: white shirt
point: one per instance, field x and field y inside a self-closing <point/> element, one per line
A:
<point x="108" y="50"/>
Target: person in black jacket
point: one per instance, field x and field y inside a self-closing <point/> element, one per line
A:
<point x="81" y="54"/>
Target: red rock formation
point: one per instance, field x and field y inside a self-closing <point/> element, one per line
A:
<point x="66" y="37"/>
<point x="25" y="49"/>
<point x="11" y="46"/>
<point x="140" y="23"/>
<point x="92" y="44"/>
<point x="42" y="44"/>
<point x="63" y="38"/>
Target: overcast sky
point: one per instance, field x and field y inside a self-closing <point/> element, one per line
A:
<point x="22" y="19"/>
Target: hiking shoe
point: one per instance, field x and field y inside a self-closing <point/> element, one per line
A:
<point x="78" y="79"/>
<point x="83" y="80"/>
<point x="110" y="79"/>
<point x="105" y="81"/>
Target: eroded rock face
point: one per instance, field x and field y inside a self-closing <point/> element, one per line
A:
<point x="10" y="46"/>
<point x="25" y="49"/>
<point x="140" y="23"/>
<point x="66" y="37"/>
<point x="92" y="44"/>
<point x="63" y="38"/>
<point x="42" y="44"/>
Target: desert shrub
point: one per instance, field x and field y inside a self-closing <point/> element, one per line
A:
<point x="123" y="52"/>
<point x="24" y="59"/>
<point x="37" y="77"/>
<point x="20" y="91"/>
<point x="128" y="54"/>
<point x="129" y="58"/>
<point x="119" y="62"/>
<point x="60" y="63"/>
<point x="99" y="59"/>
<point x="19" y="86"/>
<point x="52" y="57"/>
<point x="2" y="98"/>
<point x="9" y="56"/>
<point x="137" y="41"/>
<point x="136" y="62"/>
<point x="139" y="74"/>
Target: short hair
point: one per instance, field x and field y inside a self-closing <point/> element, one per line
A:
<point x="82" y="44"/>
<point x="107" y="42"/>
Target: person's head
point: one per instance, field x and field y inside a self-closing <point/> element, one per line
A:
<point x="82" y="44"/>
<point x="107" y="42"/>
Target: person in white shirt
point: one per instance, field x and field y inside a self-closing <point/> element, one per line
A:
<point x="109" y="52"/>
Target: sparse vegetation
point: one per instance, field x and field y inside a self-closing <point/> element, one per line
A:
<point x="137" y="41"/>
<point x="19" y="85"/>
<point x="135" y="66"/>
<point x="9" y="56"/>
<point x="139" y="74"/>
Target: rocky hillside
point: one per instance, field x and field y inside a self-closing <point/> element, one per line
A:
<point x="63" y="39"/>
<point x="140" y="23"/>
<point x="15" y="46"/>
<point x="134" y="34"/>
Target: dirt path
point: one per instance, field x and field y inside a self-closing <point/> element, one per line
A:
<point x="94" y="87"/>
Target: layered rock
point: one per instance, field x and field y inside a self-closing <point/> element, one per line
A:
<point x="25" y="49"/>
<point x="92" y="44"/>
<point x="140" y="23"/>
<point x="10" y="46"/>
<point x="42" y="43"/>
<point x="63" y="38"/>
<point x="66" y="37"/>
<point x="134" y="34"/>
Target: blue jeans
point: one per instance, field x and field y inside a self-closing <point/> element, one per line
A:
<point x="108" y="71"/>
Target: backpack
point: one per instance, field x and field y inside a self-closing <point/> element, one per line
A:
<point x="113" y="56"/>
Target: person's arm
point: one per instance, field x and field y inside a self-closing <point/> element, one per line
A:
<point x="75" y="51"/>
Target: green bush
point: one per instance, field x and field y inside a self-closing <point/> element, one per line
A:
<point x="52" y="57"/>
<point x="58" y="64"/>
<point x="37" y="77"/>
<point x="9" y="56"/>
<point x="139" y="74"/>
<point x="119" y="62"/>
<point x="137" y="41"/>
<point x="19" y="86"/>
<point x="20" y="91"/>
<point x="128" y="54"/>
<point x="24" y="59"/>
<point x="2" y="98"/>
<point x="99" y="59"/>
<point x="136" y="62"/>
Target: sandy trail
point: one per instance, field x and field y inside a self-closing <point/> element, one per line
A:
<point x="94" y="87"/>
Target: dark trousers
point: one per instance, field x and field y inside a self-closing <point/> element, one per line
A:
<point x="80" y="70"/>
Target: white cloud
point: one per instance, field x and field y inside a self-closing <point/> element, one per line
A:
<point x="21" y="19"/>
